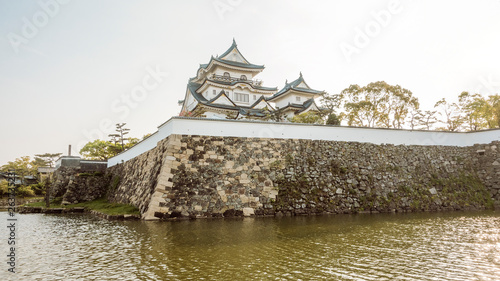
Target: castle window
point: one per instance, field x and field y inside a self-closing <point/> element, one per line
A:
<point x="214" y="92"/>
<point x="226" y="74"/>
<point x="241" y="97"/>
<point x="254" y="97"/>
<point x="243" y="77"/>
<point x="297" y="98"/>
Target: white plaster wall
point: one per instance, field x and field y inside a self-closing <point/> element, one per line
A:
<point x="291" y="98"/>
<point x="239" y="128"/>
<point x="234" y="73"/>
<point x="215" y="115"/>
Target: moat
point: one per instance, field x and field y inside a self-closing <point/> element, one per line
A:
<point x="412" y="246"/>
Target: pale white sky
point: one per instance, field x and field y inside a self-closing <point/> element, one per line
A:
<point x="68" y="69"/>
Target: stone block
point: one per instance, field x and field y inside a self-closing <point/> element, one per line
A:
<point x="161" y="190"/>
<point x="248" y="212"/>
<point x="273" y="193"/>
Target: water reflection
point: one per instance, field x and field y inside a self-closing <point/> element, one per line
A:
<point x="426" y="246"/>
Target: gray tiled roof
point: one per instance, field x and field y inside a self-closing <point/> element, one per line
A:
<point x="293" y="85"/>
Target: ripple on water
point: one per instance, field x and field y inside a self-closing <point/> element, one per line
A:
<point x="444" y="246"/>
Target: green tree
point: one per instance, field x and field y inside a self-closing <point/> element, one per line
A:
<point x="330" y="104"/>
<point x="494" y="108"/>
<point x="103" y="150"/>
<point x="475" y="111"/>
<point x="414" y="118"/>
<point x="401" y="104"/>
<point x="428" y="119"/>
<point x="310" y="117"/>
<point x="23" y="167"/>
<point x="333" y="119"/>
<point x="360" y="106"/>
<point x="39" y="162"/>
<point x="98" y="150"/>
<point x="47" y="158"/>
<point x="120" y="138"/>
<point x="378" y="104"/>
<point x="450" y="114"/>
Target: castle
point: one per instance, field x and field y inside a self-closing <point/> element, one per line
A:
<point x="226" y="88"/>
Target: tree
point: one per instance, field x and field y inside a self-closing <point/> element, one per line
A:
<point x="450" y="112"/>
<point x="103" y="150"/>
<point x="333" y="119"/>
<point x="310" y="117"/>
<point x="428" y="119"/>
<point x="23" y="167"/>
<point x="494" y="108"/>
<point x="475" y="110"/>
<point x="39" y="162"/>
<point x="401" y="103"/>
<point x="47" y="158"/>
<point x="414" y="118"/>
<point x="378" y="104"/>
<point x="119" y="138"/>
<point x="98" y="150"/>
<point x="330" y="103"/>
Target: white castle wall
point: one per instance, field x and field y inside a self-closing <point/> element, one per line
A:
<point x="254" y="129"/>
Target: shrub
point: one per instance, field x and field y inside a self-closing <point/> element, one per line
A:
<point x="4" y="188"/>
<point x="38" y="189"/>
<point x="25" y="191"/>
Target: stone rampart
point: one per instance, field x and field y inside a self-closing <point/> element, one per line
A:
<point x="206" y="176"/>
<point x="75" y="186"/>
<point x="487" y="163"/>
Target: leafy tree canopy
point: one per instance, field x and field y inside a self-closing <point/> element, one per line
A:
<point x="311" y="117"/>
<point x="377" y="104"/>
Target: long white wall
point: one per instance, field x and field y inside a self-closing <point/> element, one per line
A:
<point x="252" y="129"/>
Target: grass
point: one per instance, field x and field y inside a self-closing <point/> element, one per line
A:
<point x="101" y="205"/>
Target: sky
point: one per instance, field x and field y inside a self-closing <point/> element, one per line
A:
<point x="71" y="69"/>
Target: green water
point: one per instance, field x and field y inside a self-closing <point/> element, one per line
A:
<point x="423" y="246"/>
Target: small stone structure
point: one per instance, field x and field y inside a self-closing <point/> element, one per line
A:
<point x="206" y="176"/>
<point x="78" y="180"/>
